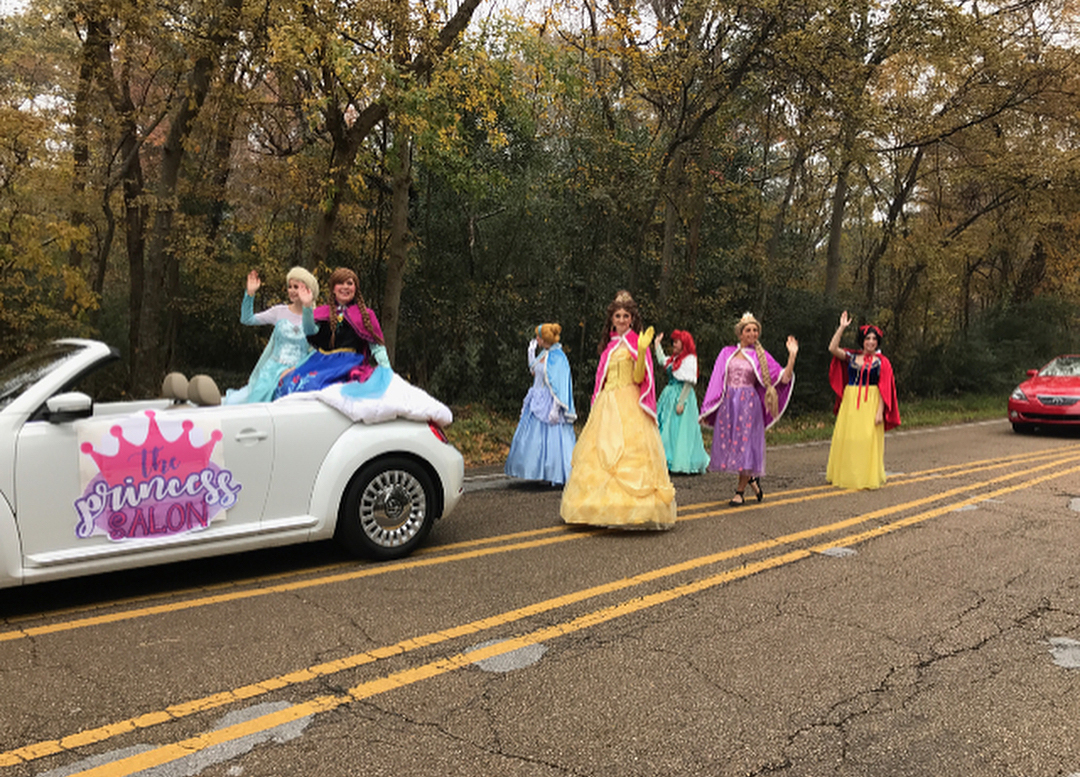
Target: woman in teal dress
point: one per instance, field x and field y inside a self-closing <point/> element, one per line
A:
<point x="677" y="407"/>
<point x="288" y="344"/>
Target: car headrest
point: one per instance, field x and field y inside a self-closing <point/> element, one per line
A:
<point x="175" y="387"/>
<point x="203" y="391"/>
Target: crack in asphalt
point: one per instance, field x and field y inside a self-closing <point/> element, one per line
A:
<point x="897" y="691"/>
<point x="497" y="750"/>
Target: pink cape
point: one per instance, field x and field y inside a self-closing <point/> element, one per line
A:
<point x="714" y="394"/>
<point x="647" y="393"/>
<point x="356" y="321"/>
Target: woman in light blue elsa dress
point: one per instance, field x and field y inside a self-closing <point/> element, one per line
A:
<point x="288" y="344"/>
<point x="543" y="443"/>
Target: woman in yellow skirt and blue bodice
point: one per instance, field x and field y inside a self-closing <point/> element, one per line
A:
<point x="865" y="408"/>
<point x="619" y="476"/>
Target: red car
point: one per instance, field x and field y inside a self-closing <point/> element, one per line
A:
<point x="1049" y="397"/>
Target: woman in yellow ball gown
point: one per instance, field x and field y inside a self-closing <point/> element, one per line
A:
<point x="619" y="476"/>
<point x="866" y="408"/>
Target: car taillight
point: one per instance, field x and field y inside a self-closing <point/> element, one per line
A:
<point x="437" y="431"/>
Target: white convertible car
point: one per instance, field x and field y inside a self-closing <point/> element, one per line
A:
<point x="91" y="487"/>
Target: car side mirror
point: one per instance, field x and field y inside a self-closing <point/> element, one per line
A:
<point x="1032" y="373"/>
<point x="69" y="406"/>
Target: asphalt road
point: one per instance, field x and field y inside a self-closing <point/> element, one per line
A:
<point x="928" y="628"/>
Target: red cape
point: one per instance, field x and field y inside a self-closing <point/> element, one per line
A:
<point x="886" y="385"/>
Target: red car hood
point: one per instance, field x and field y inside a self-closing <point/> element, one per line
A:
<point x="1051" y="385"/>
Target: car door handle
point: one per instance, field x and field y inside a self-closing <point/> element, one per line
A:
<point x="251" y="435"/>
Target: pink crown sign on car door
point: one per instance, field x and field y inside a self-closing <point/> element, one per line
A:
<point x="151" y="475"/>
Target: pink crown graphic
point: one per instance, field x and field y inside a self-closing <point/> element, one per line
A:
<point x="154" y="456"/>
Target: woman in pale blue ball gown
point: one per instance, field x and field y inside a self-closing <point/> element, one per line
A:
<point x="543" y="443"/>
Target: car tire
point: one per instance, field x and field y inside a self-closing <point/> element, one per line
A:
<point x="387" y="510"/>
<point x="1023" y="428"/>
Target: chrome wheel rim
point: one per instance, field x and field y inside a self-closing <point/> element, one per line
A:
<point x="392" y="508"/>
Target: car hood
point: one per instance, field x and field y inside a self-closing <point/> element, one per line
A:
<point x="1051" y="385"/>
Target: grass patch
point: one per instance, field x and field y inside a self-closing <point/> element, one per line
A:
<point x="484" y="436"/>
<point x="914" y="413"/>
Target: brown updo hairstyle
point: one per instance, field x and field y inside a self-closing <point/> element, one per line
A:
<point x="549" y="334"/>
<point x="622" y="301"/>
<point x="340" y="275"/>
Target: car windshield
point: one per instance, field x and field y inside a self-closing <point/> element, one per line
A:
<point x="1062" y="367"/>
<point x="17" y="376"/>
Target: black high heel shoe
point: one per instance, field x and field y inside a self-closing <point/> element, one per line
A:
<point x="756" y="483"/>
<point x="741" y="502"/>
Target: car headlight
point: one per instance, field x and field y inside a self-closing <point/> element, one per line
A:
<point x="1018" y="395"/>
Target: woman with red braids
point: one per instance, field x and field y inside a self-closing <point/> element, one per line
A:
<point x="865" y="408"/>
<point x="677" y="407"/>
<point x="348" y="343"/>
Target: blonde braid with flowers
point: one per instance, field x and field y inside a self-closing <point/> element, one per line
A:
<point x="772" y="401"/>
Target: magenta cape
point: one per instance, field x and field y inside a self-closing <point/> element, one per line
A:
<point x="647" y="393"/>
<point x="886" y="385"/>
<point x="714" y="394"/>
<point x="356" y="321"/>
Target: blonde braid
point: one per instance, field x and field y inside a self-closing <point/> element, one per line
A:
<point x="772" y="401"/>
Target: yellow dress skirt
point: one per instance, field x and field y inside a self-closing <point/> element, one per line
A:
<point x="857" y="454"/>
<point x="618" y="474"/>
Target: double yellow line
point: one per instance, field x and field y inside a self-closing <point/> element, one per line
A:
<point x="168" y="753"/>
<point x="473" y="549"/>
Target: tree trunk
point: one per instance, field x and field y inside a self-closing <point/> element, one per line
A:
<point x="693" y="249"/>
<point x="836" y="227"/>
<point x="136" y="214"/>
<point x="1032" y="274"/>
<point x="223" y="142"/>
<point x="96" y="35"/>
<point x="672" y="222"/>
<point x="888" y="229"/>
<point x="347" y="139"/>
<point x="162" y="267"/>
<point x="772" y="245"/>
<point x="399" y="245"/>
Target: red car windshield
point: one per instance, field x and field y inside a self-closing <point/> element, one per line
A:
<point x="1062" y="367"/>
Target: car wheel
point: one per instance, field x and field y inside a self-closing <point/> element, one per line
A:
<point x="388" y="509"/>
<point x="1022" y="428"/>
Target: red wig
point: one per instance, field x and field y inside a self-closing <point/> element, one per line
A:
<point x="688" y="348"/>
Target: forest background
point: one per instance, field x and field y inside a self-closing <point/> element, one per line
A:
<point x="485" y="168"/>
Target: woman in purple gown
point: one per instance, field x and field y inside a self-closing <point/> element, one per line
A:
<point x="748" y="392"/>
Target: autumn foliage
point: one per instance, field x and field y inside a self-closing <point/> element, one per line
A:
<point x="913" y="162"/>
